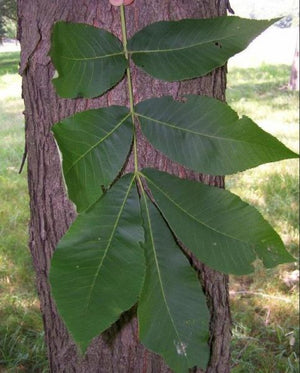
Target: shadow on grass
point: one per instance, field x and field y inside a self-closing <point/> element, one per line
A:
<point x="274" y="190"/>
<point x="260" y="84"/>
<point x="9" y="62"/>
<point x="265" y="336"/>
<point x="282" y="193"/>
<point x="23" y="351"/>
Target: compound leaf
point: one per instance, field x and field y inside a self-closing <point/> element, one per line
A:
<point x="190" y="48"/>
<point x="88" y="60"/>
<point x="94" y="145"/>
<point x="217" y="226"/>
<point x="172" y="312"/>
<point x="98" y="267"/>
<point x="206" y="135"/>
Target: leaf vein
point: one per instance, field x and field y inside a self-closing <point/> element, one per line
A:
<point x="108" y="244"/>
<point x="98" y="142"/>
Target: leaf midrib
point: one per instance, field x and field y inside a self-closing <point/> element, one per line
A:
<point x="92" y="58"/>
<point x="108" y="244"/>
<point x="199" y="44"/>
<point x="97" y="143"/>
<point x="132" y="52"/>
<point x="173" y="126"/>
<point x="159" y="274"/>
<point x="191" y="216"/>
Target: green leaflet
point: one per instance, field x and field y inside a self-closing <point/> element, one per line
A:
<point x="98" y="267"/>
<point x="206" y="135"/>
<point x="94" y="145"/>
<point x="172" y="312"/>
<point x="218" y="227"/>
<point x="190" y="48"/>
<point x="88" y="60"/>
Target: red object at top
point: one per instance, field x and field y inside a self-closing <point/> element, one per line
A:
<point x="121" y="2"/>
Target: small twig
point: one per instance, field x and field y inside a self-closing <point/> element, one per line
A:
<point x="23" y="159"/>
<point x="267" y="321"/>
<point x="232" y="292"/>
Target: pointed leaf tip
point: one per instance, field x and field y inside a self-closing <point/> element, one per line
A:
<point x="217" y="226"/>
<point x="206" y="135"/>
<point x="172" y="311"/>
<point x="190" y="48"/>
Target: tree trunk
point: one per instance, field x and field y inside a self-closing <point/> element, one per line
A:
<point x="118" y="349"/>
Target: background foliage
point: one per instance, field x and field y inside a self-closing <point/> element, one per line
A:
<point x="8" y="18"/>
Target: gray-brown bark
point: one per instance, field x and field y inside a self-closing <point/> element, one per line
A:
<point x="118" y="350"/>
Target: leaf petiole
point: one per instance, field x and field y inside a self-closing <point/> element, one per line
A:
<point x="129" y="85"/>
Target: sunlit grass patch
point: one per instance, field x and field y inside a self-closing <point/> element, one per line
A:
<point x="265" y="304"/>
<point x="21" y="331"/>
<point x="274" y="190"/>
<point x="9" y="62"/>
<point x="12" y="91"/>
<point x="262" y="94"/>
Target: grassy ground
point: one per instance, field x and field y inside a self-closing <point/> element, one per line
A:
<point x="264" y="305"/>
<point x="21" y="336"/>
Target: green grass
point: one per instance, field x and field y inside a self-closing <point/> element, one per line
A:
<point x="264" y="307"/>
<point x="21" y="332"/>
<point x="9" y="63"/>
<point x="272" y="188"/>
<point x="262" y="94"/>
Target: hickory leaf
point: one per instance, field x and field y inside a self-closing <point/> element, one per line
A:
<point x="88" y="60"/>
<point x="190" y="48"/>
<point x="98" y="267"/>
<point x="172" y="311"/>
<point x="94" y="145"/>
<point x="123" y="249"/>
<point x="206" y="135"/>
<point x="217" y="226"/>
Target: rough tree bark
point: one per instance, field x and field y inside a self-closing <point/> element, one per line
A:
<point x="118" y="350"/>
